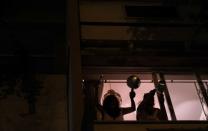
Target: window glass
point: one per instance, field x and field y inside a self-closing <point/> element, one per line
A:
<point x="185" y="100"/>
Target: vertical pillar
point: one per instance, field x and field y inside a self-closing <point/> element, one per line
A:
<point x="90" y="88"/>
<point x="74" y="73"/>
<point x="161" y="103"/>
<point x="168" y="99"/>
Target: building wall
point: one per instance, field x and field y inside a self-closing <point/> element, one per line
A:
<point x="51" y="108"/>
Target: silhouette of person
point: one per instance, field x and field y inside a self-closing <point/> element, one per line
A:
<point x="146" y="110"/>
<point x="111" y="108"/>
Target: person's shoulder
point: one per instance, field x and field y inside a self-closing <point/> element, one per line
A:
<point x="160" y="114"/>
<point x="157" y="110"/>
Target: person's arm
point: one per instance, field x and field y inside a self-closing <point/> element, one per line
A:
<point x="133" y="106"/>
<point x="98" y="92"/>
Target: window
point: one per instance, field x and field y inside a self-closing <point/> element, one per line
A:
<point x="185" y="97"/>
<point x="121" y="87"/>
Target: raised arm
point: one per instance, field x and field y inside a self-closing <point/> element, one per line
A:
<point x="98" y="92"/>
<point x="133" y="106"/>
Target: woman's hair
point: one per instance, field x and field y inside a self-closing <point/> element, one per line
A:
<point x="111" y="104"/>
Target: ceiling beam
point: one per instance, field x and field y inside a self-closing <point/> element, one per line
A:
<point x="144" y="1"/>
<point x="143" y="24"/>
<point x="145" y="61"/>
<point x="118" y="71"/>
<point x="143" y="44"/>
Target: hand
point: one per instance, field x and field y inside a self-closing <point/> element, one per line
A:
<point x="132" y="94"/>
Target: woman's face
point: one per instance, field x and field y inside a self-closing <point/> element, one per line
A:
<point x="112" y="102"/>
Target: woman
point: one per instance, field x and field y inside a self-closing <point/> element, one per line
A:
<point x="146" y="110"/>
<point x="111" y="108"/>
